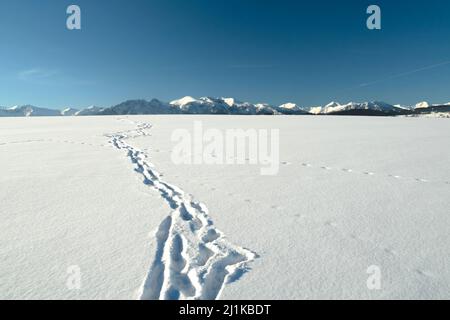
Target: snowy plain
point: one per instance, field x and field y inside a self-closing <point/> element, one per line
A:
<point x="351" y="192"/>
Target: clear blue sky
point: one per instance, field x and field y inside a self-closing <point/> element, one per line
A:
<point x="307" y="52"/>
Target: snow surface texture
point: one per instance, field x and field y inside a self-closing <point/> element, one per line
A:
<point x="351" y="193"/>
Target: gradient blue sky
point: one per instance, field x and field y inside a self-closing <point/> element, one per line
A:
<point x="307" y="52"/>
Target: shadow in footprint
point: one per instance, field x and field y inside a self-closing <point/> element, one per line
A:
<point x="152" y="286"/>
<point x="179" y="282"/>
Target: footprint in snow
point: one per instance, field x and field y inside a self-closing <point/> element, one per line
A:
<point x="390" y="251"/>
<point x="331" y="224"/>
<point x="423" y="273"/>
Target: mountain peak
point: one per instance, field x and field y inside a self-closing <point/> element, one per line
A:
<point x="28" y="111"/>
<point x="421" y="105"/>
<point x="333" y="104"/>
<point x="183" y="101"/>
<point x="231" y="101"/>
<point x="69" y="111"/>
<point x="290" y="106"/>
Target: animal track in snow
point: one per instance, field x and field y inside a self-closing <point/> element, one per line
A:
<point x="424" y="273"/>
<point x="21" y="142"/>
<point x="193" y="259"/>
<point x="53" y="141"/>
<point x="370" y="173"/>
<point x="390" y="251"/>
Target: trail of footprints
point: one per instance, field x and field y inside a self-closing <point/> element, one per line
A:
<point x="54" y="141"/>
<point x="369" y="173"/>
<point x="193" y="259"/>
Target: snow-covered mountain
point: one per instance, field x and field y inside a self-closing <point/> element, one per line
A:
<point x="357" y="108"/>
<point x="422" y="105"/>
<point x="315" y="110"/>
<point x="423" y="108"/>
<point x="204" y="105"/>
<point x="183" y="101"/>
<point x="28" y="111"/>
<point x="247" y="108"/>
<point x="325" y="109"/>
<point x="140" y="107"/>
<point x="267" y="109"/>
<point x="400" y="106"/>
<point x="89" y="111"/>
<point x="209" y="105"/>
<point x="69" y="112"/>
<point x="291" y="108"/>
<point x="230" y="106"/>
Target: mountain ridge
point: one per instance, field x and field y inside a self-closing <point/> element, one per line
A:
<point x="228" y="106"/>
